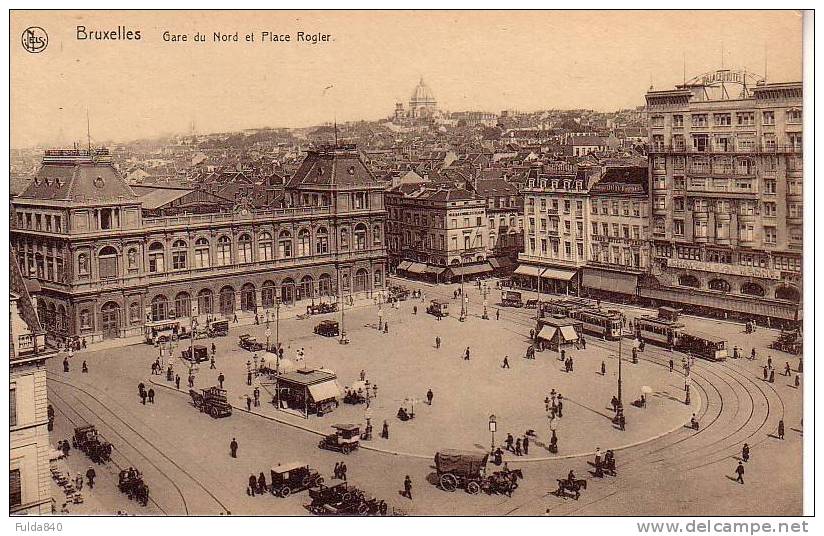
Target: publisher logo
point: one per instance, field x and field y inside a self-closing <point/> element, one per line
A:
<point x="34" y="39"/>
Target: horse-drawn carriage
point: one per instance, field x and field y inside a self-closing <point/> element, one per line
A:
<point x="89" y="441"/>
<point x="321" y="308"/>
<point x="789" y="341"/>
<point x="212" y="401"/>
<point x="130" y="482"/>
<point x="343" y="499"/>
<point x="466" y="469"/>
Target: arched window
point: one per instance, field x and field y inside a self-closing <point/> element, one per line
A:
<point x="180" y="255"/>
<point x="244" y="248"/>
<point x="304" y="246"/>
<point x="227" y="300"/>
<point x="266" y="250"/>
<point x="378" y="277"/>
<point x="202" y="257"/>
<point x="788" y="293"/>
<point x="287" y="291"/>
<point x="224" y="251"/>
<point x="248" y="300"/>
<point x="156" y="258"/>
<point x="321" y="241"/>
<point x="183" y="304"/>
<point x="62" y="319"/>
<point x="267" y="294"/>
<point x="160" y="308"/>
<point x="325" y="285"/>
<point x="307" y="287"/>
<point x="719" y="284"/>
<point x="204" y="302"/>
<point x="83" y="264"/>
<point x="376" y="235"/>
<point x="344" y="238"/>
<point x="688" y="280"/>
<point x="107" y="262"/>
<point x="285" y="244"/>
<point x="360" y="236"/>
<point x="752" y="289"/>
<point x="361" y="280"/>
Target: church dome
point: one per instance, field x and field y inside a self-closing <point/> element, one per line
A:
<point x="422" y="95"/>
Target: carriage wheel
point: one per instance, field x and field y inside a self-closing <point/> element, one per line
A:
<point x="383" y="508"/>
<point x="213" y="412"/>
<point x="345" y="449"/>
<point x="473" y="488"/>
<point x="285" y="491"/>
<point x="513" y="486"/>
<point x="448" y="482"/>
<point x="346" y="497"/>
<point x="363" y="509"/>
<point x="318" y="481"/>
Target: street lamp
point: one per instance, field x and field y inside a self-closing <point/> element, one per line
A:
<point x="493" y="426"/>
<point x="463" y="303"/>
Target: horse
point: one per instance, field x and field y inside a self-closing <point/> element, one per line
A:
<point x="575" y="487"/>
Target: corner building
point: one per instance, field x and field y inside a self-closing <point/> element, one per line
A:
<point x="726" y="198"/>
<point x="109" y="263"/>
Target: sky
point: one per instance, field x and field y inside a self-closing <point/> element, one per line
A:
<point x="489" y="61"/>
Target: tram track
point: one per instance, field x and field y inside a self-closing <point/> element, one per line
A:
<point x="196" y="482"/>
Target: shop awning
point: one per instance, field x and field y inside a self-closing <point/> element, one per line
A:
<point x="417" y="268"/>
<point x="526" y="269"/>
<point x="471" y="269"/>
<point x="404" y="265"/>
<point x="726" y="302"/>
<point x="556" y="273"/>
<point x="569" y="334"/>
<point x="435" y="269"/>
<point x="547" y="332"/>
<point x="500" y="262"/>
<point x="324" y="391"/>
<point x="623" y="283"/>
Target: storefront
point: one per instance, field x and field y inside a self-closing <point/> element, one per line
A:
<point x="307" y="392"/>
<point x="609" y="285"/>
<point x="552" y="280"/>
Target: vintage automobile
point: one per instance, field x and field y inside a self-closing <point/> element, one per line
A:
<point x="789" y="341"/>
<point x="438" y="308"/>
<point x="343" y="499"/>
<point x="247" y="342"/>
<point x="87" y="440"/>
<point x="321" y="308"/>
<point x="345" y="439"/>
<point x="212" y="401"/>
<point x="130" y="482"/>
<point x="328" y="328"/>
<point x="217" y="328"/>
<point x="399" y="292"/>
<point x="293" y="477"/>
<point x="201" y="353"/>
<point x="511" y="298"/>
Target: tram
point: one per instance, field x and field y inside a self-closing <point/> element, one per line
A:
<point x="564" y="306"/>
<point x="603" y="323"/>
<point x="702" y="345"/>
<point x="660" y="331"/>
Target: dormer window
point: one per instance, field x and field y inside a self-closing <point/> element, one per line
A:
<point x="99" y="182"/>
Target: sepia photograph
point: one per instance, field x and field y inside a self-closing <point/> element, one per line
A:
<point x="409" y="263"/>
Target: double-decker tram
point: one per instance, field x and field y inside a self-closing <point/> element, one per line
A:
<point x="605" y="323"/>
<point x="702" y="345"/>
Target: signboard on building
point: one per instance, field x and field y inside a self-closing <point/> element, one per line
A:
<point x="729" y="269"/>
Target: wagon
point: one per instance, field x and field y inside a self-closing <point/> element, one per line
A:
<point x="131" y="483"/>
<point x="293" y="477"/>
<point x="212" y="401"/>
<point x="788" y="341"/>
<point x="461" y="469"/>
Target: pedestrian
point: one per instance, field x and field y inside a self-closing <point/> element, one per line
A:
<point x="191" y="380"/>
<point x="614" y="403"/>
<point x="85" y="368"/>
<point x="506" y="362"/>
<point x="151" y="395"/>
<point x="343" y="471"/>
<point x="531" y="334"/>
<point x="252" y="484"/>
<point x="560" y="407"/>
<point x="233" y="448"/>
<point x="336" y="472"/>
<point x="509" y="441"/>
<point x="65" y="364"/>
<point x="518" y="447"/>
<point x="362" y="375"/>
<point x="781" y="429"/>
<point x="414" y="309"/>
<point x="214" y="349"/>
<point x="90" y="476"/>
<point x="800" y="367"/>
<point x="248" y="378"/>
<point x="66" y="448"/>
<point x="466" y="354"/>
<point x="257" y="396"/>
<point x="220" y="379"/>
<point x="563" y="355"/>
<point x="261" y="483"/>
<point x="212" y="363"/>
<point x="385" y="431"/>
<point x="766" y="373"/>
<point x="83" y="342"/>
<point x="386" y="327"/>
<point x="429" y="396"/>
<point x="740" y="472"/>
<point x="497" y="314"/>
<point x="437" y="342"/>
<point x="797" y="381"/>
<point x="571" y="364"/>
<point x="752" y="354"/>
<point x="603" y="369"/>
<point x="235" y="319"/>
<point x="622" y="421"/>
<point x="78" y="482"/>
<point x="526" y="445"/>
<point x="769" y="362"/>
<point x="407" y="487"/>
<point x="583" y="342"/>
<point x="177" y="381"/>
<point x="257" y="320"/>
<point x="143" y="396"/>
<point x="786" y="368"/>
<point x="772" y="375"/>
<point x="248" y="403"/>
<point x="597" y="457"/>
<point x="745" y="452"/>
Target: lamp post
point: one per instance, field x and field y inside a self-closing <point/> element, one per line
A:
<point x="493" y="426"/>
<point x="463" y="303"/>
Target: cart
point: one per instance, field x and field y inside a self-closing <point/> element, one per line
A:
<point x="87" y="440"/>
<point x="461" y="469"/>
<point x="212" y="401"/>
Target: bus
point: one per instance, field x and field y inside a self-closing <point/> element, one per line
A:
<point x="702" y="345"/>
<point x="605" y="323"/>
<point x="659" y="330"/>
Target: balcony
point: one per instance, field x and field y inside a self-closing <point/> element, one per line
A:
<point x="719" y="149"/>
<point x="795" y="220"/>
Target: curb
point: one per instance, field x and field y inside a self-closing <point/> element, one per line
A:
<point x="427" y="457"/>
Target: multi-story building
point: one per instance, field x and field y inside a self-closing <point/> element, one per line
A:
<point x="619" y="233"/>
<point x="726" y="196"/>
<point x="110" y="261"/>
<point x="29" y="448"/>
<point x="437" y="231"/>
<point x="556" y="231"/>
<point x="505" y="211"/>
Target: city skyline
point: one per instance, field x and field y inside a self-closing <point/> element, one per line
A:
<point x="493" y="69"/>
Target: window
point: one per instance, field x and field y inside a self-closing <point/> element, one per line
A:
<point x="567" y="227"/>
<point x="794" y="116"/>
<point x="135" y="316"/>
<point x="82" y="264"/>
<point x="107" y="261"/>
<point x="12" y="406"/>
<point x="344" y="238"/>
<point x="770" y="235"/>
<point x="604" y="207"/>
<point x="615" y="229"/>
<point x="568" y="249"/>
<point x="594" y="208"/>
<point x="376" y="238"/>
<point x="183" y="304"/>
<point x="266" y="249"/>
<point x="202" y="258"/>
<point x="322" y="241"/>
<point x="566" y="206"/>
<point x="595" y="228"/>
<point x="204" y="301"/>
<point x="605" y="229"/>
<point x="580" y="248"/>
<point x="579" y="228"/>
<point x="660" y="203"/>
<point x="360" y="236"/>
<point x="625" y="229"/>
<point x="719" y="284"/>
<point x="795" y="210"/>
<point x="543" y="224"/>
<point x="156" y="258"/>
<point x="244" y="248"/>
<point x="677" y="121"/>
<point x="224" y="251"/>
<point x="15" y="488"/>
<point x="769" y="186"/>
<point x="179" y="254"/>
<point x="745" y="232"/>
<point x="625" y="208"/>
<point x="678" y="227"/>
<point x="657" y="121"/>
<point x="745" y="119"/>
<point x="85" y="319"/>
<point x="699" y="120"/>
<point x="722" y="120"/>
<point x="769" y="209"/>
<point x="543" y="246"/>
<point x="160" y="308"/>
<point x="678" y="204"/>
<point x="768" y="117"/>
<point x="285" y="244"/>
<point x="615" y="208"/>
<point x="700" y="142"/>
<point x="636" y="232"/>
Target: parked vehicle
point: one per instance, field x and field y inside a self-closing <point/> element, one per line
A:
<point x="789" y="341"/>
<point x="461" y="469"/>
<point x="511" y="298"/>
<point x="343" y="499"/>
<point x="212" y="401"/>
<point x="321" y="308"/>
<point x="345" y="439"/>
<point x="201" y="353"/>
<point x="702" y="345"/>
<point x="87" y="440"/>
<point x="247" y="342"/>
<point x="438" y="308"/>
<point x="293" y="477"/>
<point x="328" y="328"/>
<point x="218" y="328"/>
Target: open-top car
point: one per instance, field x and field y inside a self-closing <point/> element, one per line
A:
<point x="328" y="328"/>
<point x="247" y="342"/>
<point x="345" y="439"/>
<point x="293" y="477"/>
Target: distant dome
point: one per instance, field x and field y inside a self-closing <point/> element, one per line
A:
<point x="422" y="96"/>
